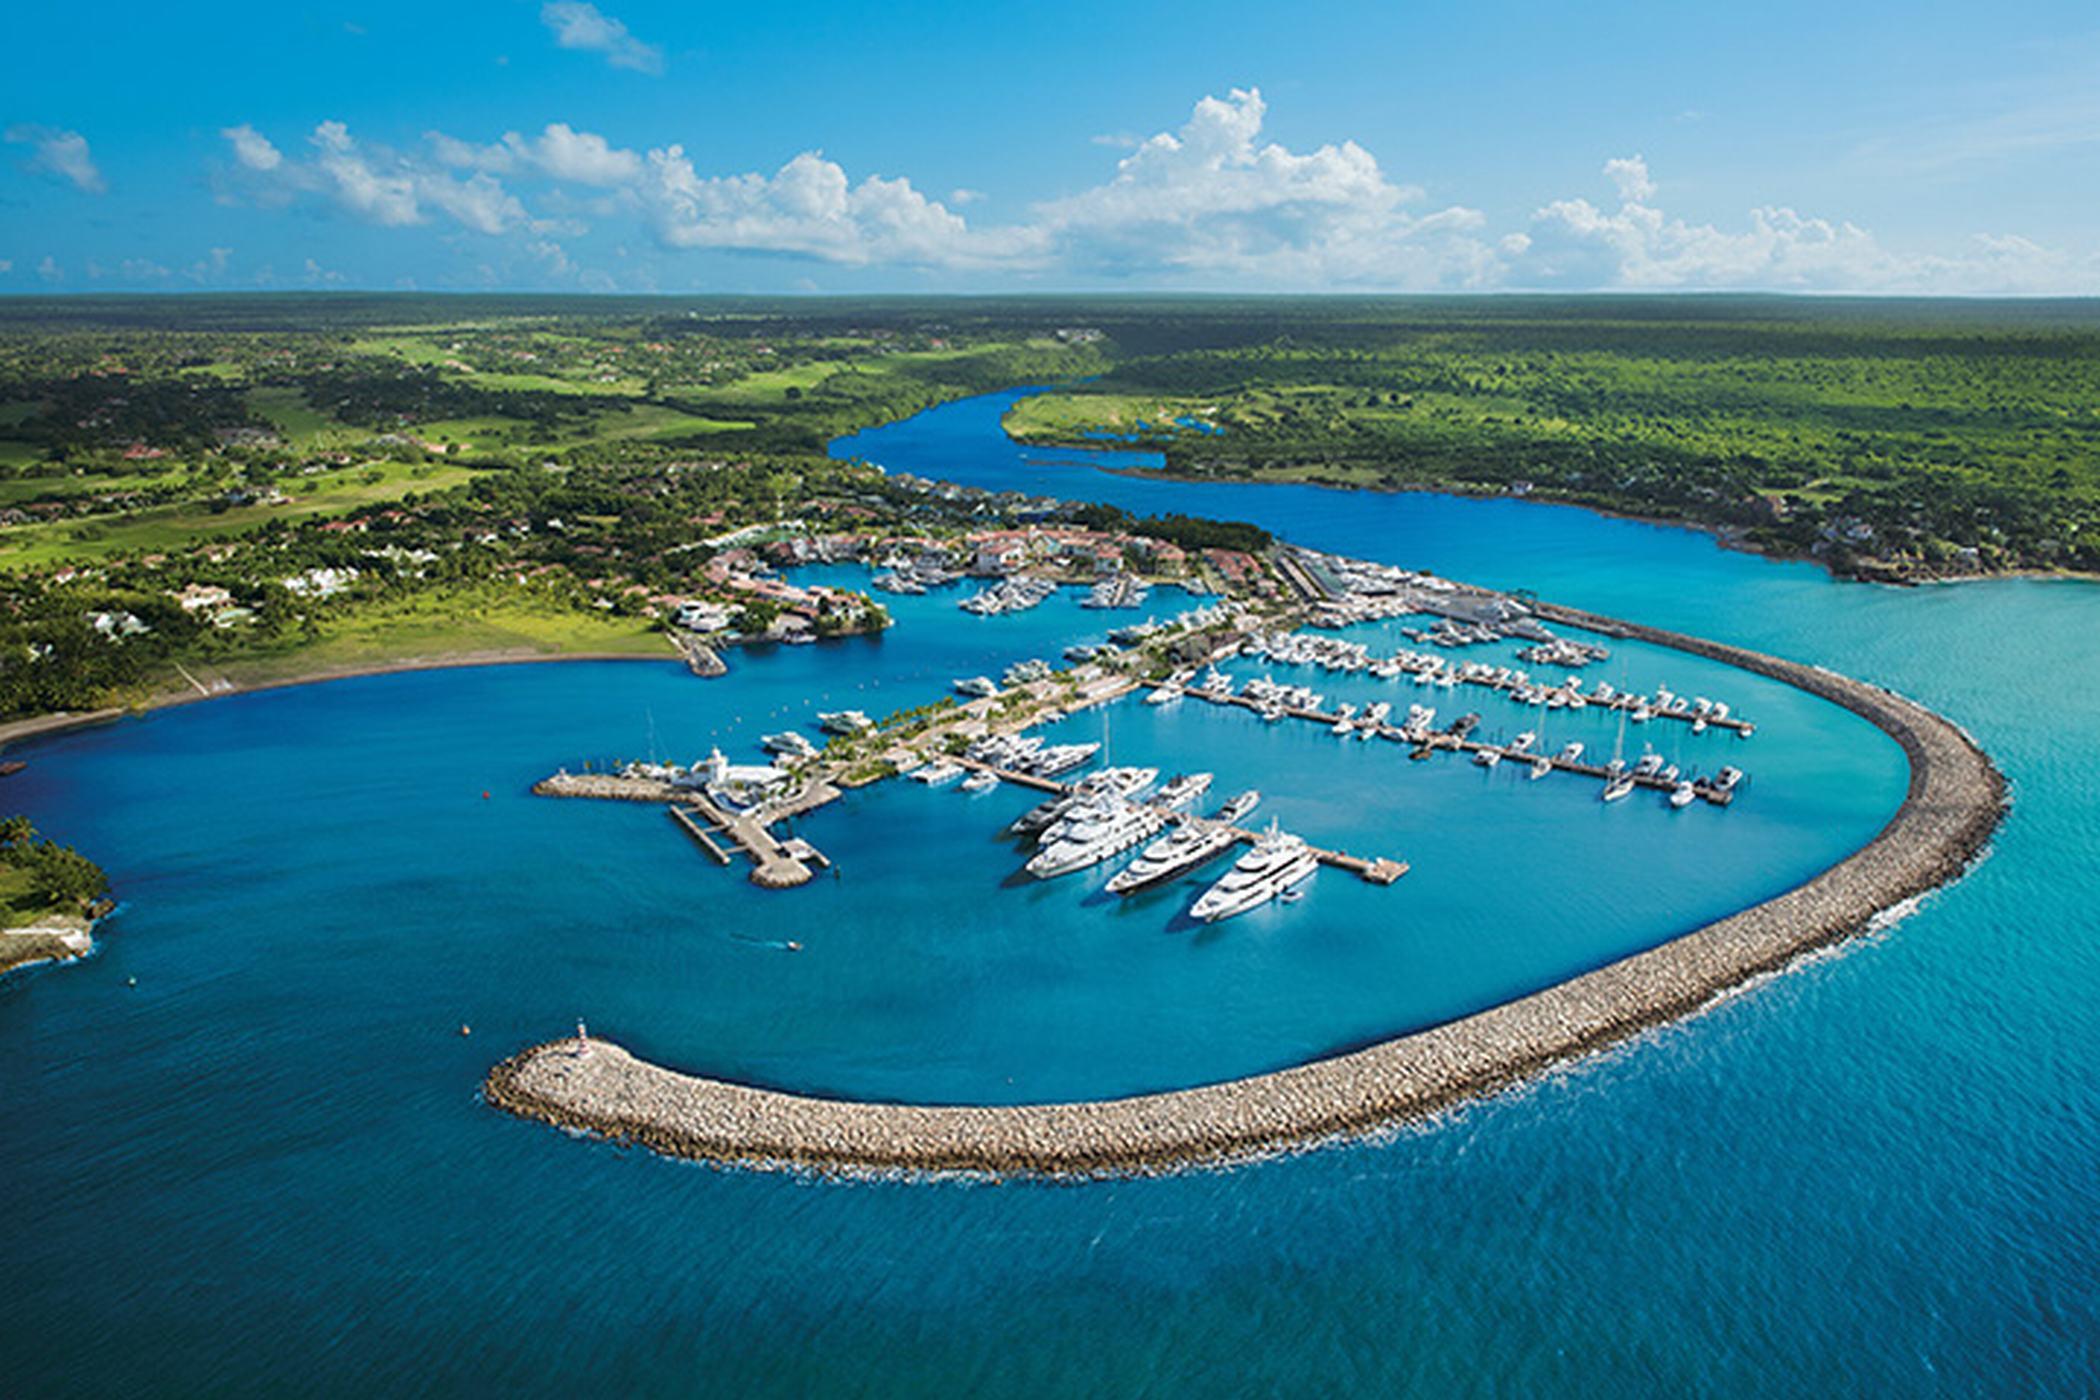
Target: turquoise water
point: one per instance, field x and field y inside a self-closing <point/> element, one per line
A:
<point x="264" y="1167"/>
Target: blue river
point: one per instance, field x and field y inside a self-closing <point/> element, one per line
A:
<point x="265" y="1168"/>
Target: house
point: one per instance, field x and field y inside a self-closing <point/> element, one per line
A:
<point x="207" y="597"/>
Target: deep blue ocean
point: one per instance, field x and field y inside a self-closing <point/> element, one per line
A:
<point x="264" y="1168"/>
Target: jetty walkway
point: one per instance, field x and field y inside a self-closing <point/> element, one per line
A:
<point x="777" y="863"/>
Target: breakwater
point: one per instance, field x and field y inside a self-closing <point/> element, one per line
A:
<point x="1954" y="801"/>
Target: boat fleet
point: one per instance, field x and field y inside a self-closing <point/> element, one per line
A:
<point x="1340" y="655"/>
<point x="1016" y="594"/>
<point x="1106" y="816"/>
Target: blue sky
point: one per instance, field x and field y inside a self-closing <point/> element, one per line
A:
<point x="1928" y="147"/>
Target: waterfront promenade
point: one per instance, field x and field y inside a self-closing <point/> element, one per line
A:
<point x="1954" y="801"/>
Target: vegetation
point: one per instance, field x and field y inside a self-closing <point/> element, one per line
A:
<point x="1891" y="440"/>
<point x="40" y="878"/>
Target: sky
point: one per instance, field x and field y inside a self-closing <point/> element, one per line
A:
<point x="636" y="146"/>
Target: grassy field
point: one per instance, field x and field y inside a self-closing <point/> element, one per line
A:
<point x="469" y="623"/>
<point x="174" y="527"/>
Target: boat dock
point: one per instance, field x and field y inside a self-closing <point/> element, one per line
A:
<point x="1378" y="870"/>
<point x="1445" y="740"/>
<point x="777" y="862"/>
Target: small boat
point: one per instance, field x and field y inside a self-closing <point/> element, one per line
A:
<point x="1682" y="795"/>
<point x="1487" y="758"/>
<point x="1540" y="767"/>
<point x="979" y="686"/>
<point x="1617" y="788"/>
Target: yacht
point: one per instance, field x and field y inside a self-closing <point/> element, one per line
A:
<point x="1617" y="788"/>
<point x="1113" y="830"/>
<point x="983" y="780"/>
<point x="1239" y="806"/>
<point x="1730" y="776"/>
<point x="1057" y="758"/>
<point x="843" y="721"/>
<point x="1540" y="767"/>
<point x="980" y="686"/>
<point x="1277" y="862"/>
<point x="1571" y="751"/>
<point x="1182" y="790"/>
<point x="935" y="774"/>
<point x="788" y="744"/>
<point x="1187" y="848"/>
<point x="1164" y="695"/>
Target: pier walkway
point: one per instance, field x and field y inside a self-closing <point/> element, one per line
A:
<point x="1443" y="740"/>
<point x="1379" y="870"/>
<point x="777" y="863"/>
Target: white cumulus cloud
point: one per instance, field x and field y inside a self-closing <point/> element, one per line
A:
<point x="1638" y="246"/>
<point x="376" y="185"/>
<point x="560" y="152"/>
<point x="578" y="24"/>
<point x="253" y="149"/>
<point x="1213" y="200"/>
<point x="64" y="154"/>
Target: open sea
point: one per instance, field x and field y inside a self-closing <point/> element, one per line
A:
<point x="265" y="1168"/>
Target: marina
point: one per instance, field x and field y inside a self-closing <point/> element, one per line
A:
<point x="1955" y="800"/>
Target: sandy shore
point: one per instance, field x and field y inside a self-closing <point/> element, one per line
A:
<point x="1954" y="802"/>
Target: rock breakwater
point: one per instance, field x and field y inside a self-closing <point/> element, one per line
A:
<point x="1955" y="799"/>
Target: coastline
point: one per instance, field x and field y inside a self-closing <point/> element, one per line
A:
<point x="36" y="726"/>
<point x="1955" y="800"/>
<point x="1720" y="534"/>
<point x="56" y="938"/>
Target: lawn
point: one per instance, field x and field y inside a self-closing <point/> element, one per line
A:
<point x="469" y="623"/>
<point x="177" y="526"/>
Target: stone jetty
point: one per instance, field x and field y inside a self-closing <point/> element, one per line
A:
<point x="1955" y="800"/>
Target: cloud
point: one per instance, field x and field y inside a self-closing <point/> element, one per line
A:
<point x="809" y="208"/>
<point x="64" y="154"/>
<point x="1638" y="246"/>
<point x="211" y="267"/>
<point x="142" y="270"/>
<point x="321" y="276"/>
<point x="1212" y="201"/>
<point x="6" y="266"/>
<point x="375" y="185"/>
<point x="253" y="149"/>
<point x="559" y="152"/>
<point x="1207" y="203"/>
<point x="578" y="24"/>
<point x="1630" y="174"/>
<point x="49" y="269"/>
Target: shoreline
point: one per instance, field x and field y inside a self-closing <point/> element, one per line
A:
<point x="1955" y="801"/>
<point x="1719" y="534"/>
<point x="17" y="731"/>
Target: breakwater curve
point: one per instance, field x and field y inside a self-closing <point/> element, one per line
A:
<point x="1954" y="801"/>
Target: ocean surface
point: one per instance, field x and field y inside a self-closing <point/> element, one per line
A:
<point x="265" y="1168"/>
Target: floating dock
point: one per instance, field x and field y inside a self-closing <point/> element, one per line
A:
<point x="1444" y="740"/>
